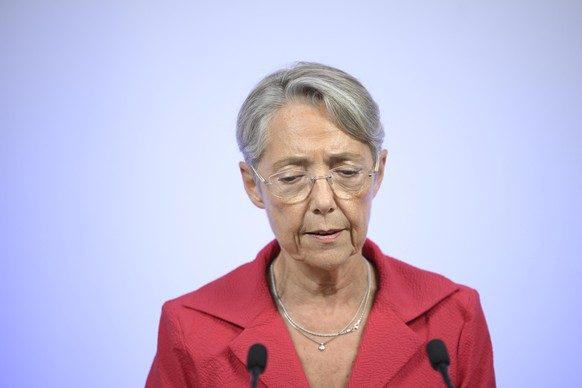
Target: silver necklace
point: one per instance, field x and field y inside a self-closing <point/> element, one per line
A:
<point x="348" y="328"/>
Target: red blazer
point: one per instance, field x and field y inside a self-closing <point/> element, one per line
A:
<point x="204" y="336"/>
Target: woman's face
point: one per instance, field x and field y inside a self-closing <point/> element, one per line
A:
<point x="322" y="230"/>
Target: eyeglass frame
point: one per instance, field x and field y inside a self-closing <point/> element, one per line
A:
<point x="312" y="179"/>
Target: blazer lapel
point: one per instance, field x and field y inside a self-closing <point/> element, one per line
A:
<point x="283" y="364"/>
<point x="387" y="345"/>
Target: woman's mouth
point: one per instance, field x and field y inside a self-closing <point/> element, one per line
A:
<point x="325" y="235"/>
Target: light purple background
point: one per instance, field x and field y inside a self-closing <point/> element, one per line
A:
<point x="120" y="186"/>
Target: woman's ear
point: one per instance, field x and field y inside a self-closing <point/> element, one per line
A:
<point x="251" y="186"/>
<point x="382" y="155"/>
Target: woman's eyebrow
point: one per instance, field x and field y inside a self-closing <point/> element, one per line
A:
<point x="306" y="162"/>
<point x="346" y="156"/>
<point x="292" y="160"/>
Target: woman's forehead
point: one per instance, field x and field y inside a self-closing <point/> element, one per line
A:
<point x="303" y="134"/>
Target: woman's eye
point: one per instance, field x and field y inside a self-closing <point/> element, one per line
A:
<point x="347" y="172"/>
<point x="290" y="179"/>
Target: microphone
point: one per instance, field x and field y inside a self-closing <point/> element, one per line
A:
<point x="256" y="362"/>
<point x="439" y="359"/>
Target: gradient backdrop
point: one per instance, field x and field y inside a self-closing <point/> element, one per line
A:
<point x="119" y="184"/>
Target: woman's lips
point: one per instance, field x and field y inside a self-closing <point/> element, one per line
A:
<point x="325" y="235"/>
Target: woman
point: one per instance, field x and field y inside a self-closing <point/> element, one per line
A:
<point x="331" y="308"/>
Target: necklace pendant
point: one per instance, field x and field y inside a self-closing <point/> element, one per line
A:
<point x="321" y="347"/>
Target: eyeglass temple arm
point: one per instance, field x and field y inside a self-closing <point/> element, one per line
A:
<point x="376" y="165"/>
<point x="259" y="176"/>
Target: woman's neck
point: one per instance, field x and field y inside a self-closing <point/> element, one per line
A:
<point x="299" y="284"/>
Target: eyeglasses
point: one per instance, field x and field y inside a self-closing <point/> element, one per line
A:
<point x="295" y="185"/>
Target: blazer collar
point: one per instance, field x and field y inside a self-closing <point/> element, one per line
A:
<point x="404" y="293"/>
<point x="242" y="298"/>
<point x="241" y="295"/>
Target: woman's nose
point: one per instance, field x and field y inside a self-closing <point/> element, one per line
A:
<point x="322" y="196"/>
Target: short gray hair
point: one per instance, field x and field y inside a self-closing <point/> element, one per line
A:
<point x="347" y="101"/>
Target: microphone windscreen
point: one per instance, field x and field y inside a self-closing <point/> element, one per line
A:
<point x="437" y="353"/>
<point x="257" y="358"/>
